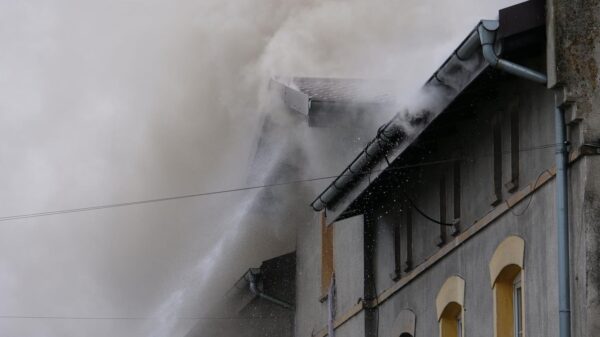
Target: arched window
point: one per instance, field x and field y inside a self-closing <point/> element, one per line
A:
<point x="506" y="275"/>
<point x="404" y="325"/>
<point x="449" y="304"/>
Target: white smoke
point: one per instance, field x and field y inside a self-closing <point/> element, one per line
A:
<point x="110" y="101"/>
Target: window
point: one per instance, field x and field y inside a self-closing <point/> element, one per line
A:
<point x="513" y="184"/>
<point x="443" y="233"/>
<point x="326" y="256"/>
<point x="506" y="274"/>
<point x="409" y="235"/>
<point x="451" y="321"/>
<point x="497" y="161"/>
<point x="402" y="241"/>
<point x="397" y="251"/>
<point x="449" y="305"/>
<point x="456" y="197"/>
<point x="518" y="306"/>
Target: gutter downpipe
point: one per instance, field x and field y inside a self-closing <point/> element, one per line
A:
<point x="253" y="285"/>
<point x="562" y="219"/>
<point x="487" y="34"/>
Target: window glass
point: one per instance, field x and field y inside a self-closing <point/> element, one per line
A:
<point x="518" y="306"/>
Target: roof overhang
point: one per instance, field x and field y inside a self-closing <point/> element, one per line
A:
<point x="463" y="66"/>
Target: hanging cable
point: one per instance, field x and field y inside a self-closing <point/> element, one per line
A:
<point x="413" y="205"/>
<point x="196" y="195"/>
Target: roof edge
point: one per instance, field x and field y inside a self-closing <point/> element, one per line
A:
<point x="392" y="139"/>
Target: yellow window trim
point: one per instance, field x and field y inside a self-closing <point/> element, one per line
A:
<point x="453" y="290"/>
<point x="511" y="251"/>
<point x="505" y="266"/>
<point x="449" y="304"/>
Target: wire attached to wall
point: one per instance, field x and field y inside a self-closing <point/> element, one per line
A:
<point x="530" y="196"/>
<point x="413" y="205"/>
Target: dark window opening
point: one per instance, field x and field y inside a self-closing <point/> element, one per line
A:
<point x="456" y="198"/>
<point x="513" y="184"/>
<point x="397" y="250"/>
<point x="443" y="231"/>
<point x="409" y="241"/>
<point x="497" y="162"/>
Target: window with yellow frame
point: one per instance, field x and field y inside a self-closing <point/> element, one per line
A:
<point x="507" y="276"/>
<point x="450" y="307"/>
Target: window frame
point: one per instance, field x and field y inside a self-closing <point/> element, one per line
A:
<point x="506" y="271"/>
<point x="518" y="306"/>
<point x="450" y="307"/>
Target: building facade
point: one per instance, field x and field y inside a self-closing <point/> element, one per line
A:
<point x="447" y="223"/>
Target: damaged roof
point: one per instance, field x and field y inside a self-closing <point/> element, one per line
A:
<point x="341" y="90"/>
<point x="302" y="93"/>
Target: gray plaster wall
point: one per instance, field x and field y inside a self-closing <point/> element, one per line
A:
<point x="471" y="261"/>
<point x="534" y="105"/>
<point x="354" y="328"/>
<point x="384" y="250"/>
<point x="349" y="267"/>
<point x="311" y="314"/>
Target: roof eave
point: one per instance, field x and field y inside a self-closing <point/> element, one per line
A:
<point x="344" y="190"/>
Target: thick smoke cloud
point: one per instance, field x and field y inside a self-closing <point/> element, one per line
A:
<point x="110" y="101"/>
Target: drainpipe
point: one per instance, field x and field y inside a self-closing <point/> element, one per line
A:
<point x="562" y="219"/>
<point x="487" y="35"/>
<point x="253" y="285"/>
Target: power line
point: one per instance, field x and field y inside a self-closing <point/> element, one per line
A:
<point x="149" y="201"/>
<point x="530" y="196"/>
<point x="125" y="318"/>
<point x="247" y="188"/>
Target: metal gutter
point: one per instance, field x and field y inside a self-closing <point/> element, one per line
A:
<point x="252" y="279"/>
<point x="562" y="223"/>
<point x="487" y="35"/>
<point x="390" y="136"/>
